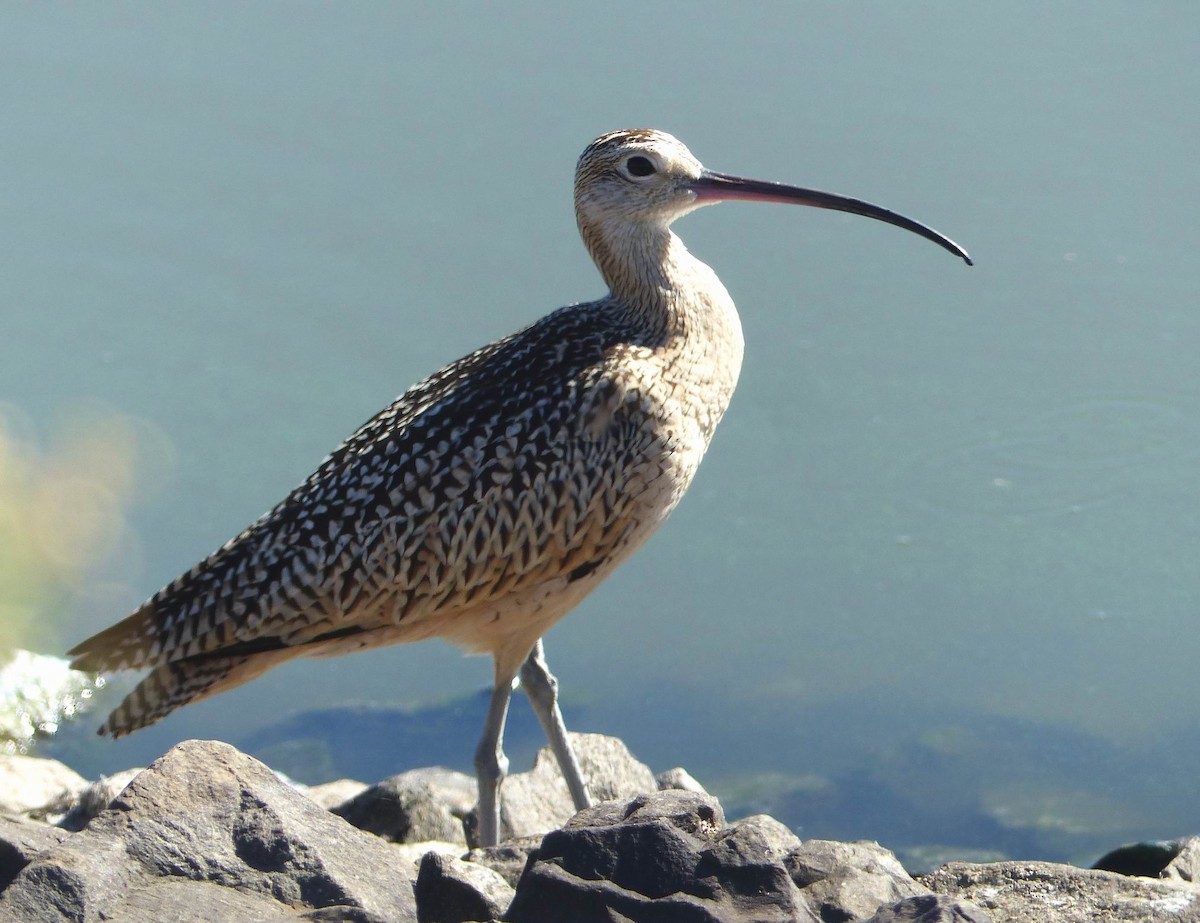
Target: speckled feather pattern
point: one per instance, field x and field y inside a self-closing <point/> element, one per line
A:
<point x="480" y="506"/>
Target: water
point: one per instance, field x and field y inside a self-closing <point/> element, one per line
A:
<point x="37" y="694"/>
<point x="943" y="548"/>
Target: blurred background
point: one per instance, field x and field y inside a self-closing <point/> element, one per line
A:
<point x="936" y="583"/>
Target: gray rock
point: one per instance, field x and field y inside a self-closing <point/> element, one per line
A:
<point x="337" y="915"/>
<point x="665" y="856"/>
<point x="816" y="860"/>
<point x="410" y="855"/>
<point x="1044" y="892"/>
<point x="931" y="908"/>
<point x="331" y="794"/>
<point x="36" y="786"/>
<point x="423" y="804"/>
<point x="450" y="890"/>
<point x="1147" y="858"/>
<point x="778" y="834"/>
<point x="207" y="833"/>
<point x="678" y="778"/>
<point x="197" y="902"/>
<point x="849" y="881"/>
<point x="20" y="841"/>
<point x="95" y="798"/>
<point x="1185" y="867"/>
<point x="537" y="801"/>
<point x="508" y="859"/>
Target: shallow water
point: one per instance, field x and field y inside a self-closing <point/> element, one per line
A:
<point x="943" y="498"/>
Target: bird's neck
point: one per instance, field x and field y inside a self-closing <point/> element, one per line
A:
<point x="681" y="311"/>
<point x="650" y="272"/>
<point x="686" y="322"/>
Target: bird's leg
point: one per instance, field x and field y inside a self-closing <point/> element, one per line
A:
<point x="542" y="689"/>
<point x="491" y="765"/>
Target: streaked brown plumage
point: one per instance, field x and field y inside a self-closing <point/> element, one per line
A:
<point x="490" y="498"/>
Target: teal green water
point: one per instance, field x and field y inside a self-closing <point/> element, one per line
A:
<point x="939" y="491"/>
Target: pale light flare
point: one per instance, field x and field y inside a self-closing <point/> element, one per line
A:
<point x="63" y="503"/>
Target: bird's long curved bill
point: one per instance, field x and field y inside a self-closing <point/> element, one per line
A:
<point x="715" y="187"/>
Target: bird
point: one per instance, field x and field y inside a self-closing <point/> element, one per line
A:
<point x="490" y="498"/>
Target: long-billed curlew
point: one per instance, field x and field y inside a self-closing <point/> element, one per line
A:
<point x="493" y="496"/>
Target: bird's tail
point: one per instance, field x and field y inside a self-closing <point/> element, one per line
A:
<point x="177" y="683"/>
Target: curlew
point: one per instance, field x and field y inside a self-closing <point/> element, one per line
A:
<point x="489" y="499"/>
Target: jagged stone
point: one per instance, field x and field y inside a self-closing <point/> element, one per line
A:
<point x="20" y="841"/>
<point x="508" y="859"/>
<point x="1149" y="858"/>
<point x="331" y="794"/>
<point x="849" y="881"/>
<point x="1045" y="892"/>
<point x="778" y="834"/>
<point x="409" y="855"/>
<point x="678" y="778"/>
<point x="414" y="806"/>
<point x="208" y="833"/>
<point x="1185" y="866"/>
<point x="95" y="798"/>
<point x="665" y="856"/>
<point x="450" y="890"/>
<point x="930" y="908"/>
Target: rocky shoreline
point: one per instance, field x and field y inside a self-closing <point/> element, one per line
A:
<point x="207" y="833"/>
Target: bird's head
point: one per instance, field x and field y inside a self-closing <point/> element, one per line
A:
<point x="636" y="176"/>
<point x="642" y="177"/>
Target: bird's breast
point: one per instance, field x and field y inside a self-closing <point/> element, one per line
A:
<point x="653" y="415"/>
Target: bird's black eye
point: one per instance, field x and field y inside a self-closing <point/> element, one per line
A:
<point x="640" y="166"/>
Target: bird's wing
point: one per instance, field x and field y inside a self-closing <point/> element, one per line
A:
<point x="469" y="487"/>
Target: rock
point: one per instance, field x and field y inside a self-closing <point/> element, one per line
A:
<point x="450" y="890"/>
<point x="930" y="908"/>
<point x="331" y="794"/>
<point x="196" y="902"/>
<point x="1185" y="866"/>
<point x="423" y="804"/>
<point x="20" y="841"/>
<point x="1044" y="892"/>
<point x="1170" y="860"/>
<point x="410" y="855"/>
<point x="208" y="833"/>
<point x="1147" y="858"/>
<point x="817" y="860"/>
<point x="32" y="785"/>
<point x="336" y="915"/>
<point x="777" y="834"/>
<point x="537" y="801"/>
<point x="849" y="881"/>
<point x="95" y="798"/>
<point x="509" y="858"/>
<point x="665" y="856"/>
<point x="678" y="778"/>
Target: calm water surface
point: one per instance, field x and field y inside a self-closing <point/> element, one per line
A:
<point x="937" y="582"/>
